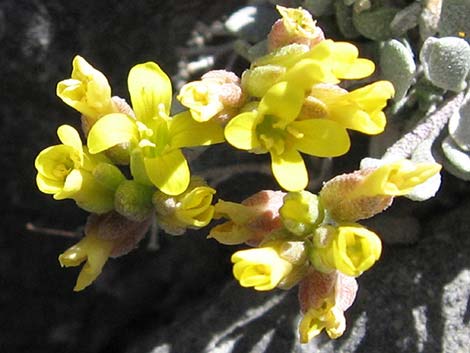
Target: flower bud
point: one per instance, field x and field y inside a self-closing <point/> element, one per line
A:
<point x="107" y="235"/>
<point x="262" y="268"/>
<point x="258" y="80"/>
<point x="134" y="200"/>
<point x="301" y="212"/>
<point x="296" y="26"/>
<point x="87" y="91"/>
<point x="348" y="248"/>
<point x="217" y="95"/>
<point x="191" y="209"/>
<point x="250" y="221"/>
<point x="364" y="193"/>
<point x="323" y="299"/>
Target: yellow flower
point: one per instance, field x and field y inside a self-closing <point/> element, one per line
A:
<point x="154" y="138"/>
<point x="273" y="128"/>
<point x="327" y="317"/>
<point x="87" y="91"/>
<point x="262" y="268"/>
<point x="359" y="110"/>
<point x="95" y="251"/>
<point x="364" y="193"/>
<point x="191" y="209"/>
<point x="68" y="171"/>
<point x="396" y="179"/>
<point x="217" y="94"/>
<point x="348" y="248"/>
<point x="249" y="221"/>
<point x="326" y="62"/>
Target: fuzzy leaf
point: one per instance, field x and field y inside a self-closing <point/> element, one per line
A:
<point x="446" y="62"/>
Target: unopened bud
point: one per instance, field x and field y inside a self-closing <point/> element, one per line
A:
<point x="134" y="200"/>
<point x="218" y="95"/>
<point x="301" y="212"/>
<point x="191" y="209"/>
<point x="296" y="26"/>
<point x="251" y="221"/>
<point x="364" y="193"/>
<point x="258" y="80"/>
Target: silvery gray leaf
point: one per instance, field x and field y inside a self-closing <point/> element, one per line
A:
<point x="459" y="125"/>
<point x="446" y="62"/>
<point x="429" y="188"/>
<point x="459" y="160"/>
<point x="406" y="19"/>
<point x="375" y="24"/>
<point x="344" y="19"/>
<point x="398" y="66"/>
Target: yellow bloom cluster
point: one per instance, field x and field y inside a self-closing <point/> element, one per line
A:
<point x="303" y="110"/>
<point x="143" y="136"/>
<point x="327" y="241"/>
<point x="288" y="103"/>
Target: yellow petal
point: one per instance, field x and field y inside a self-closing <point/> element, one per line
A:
<point x="283" y="100"/>
<point x="307" y="72"/>
<point x="240" y="132"/>
<point x="360" y="68"/>
<point x="72" y="185"/>
<point x="373" y="96"/>
<point x="149" y="88"/>
<point x="289" y="170"/>
<point x="110" y="130"/>
<point x="70" y="137"/>
<point x="169" y="172"/>
<point x="95" y="251"/>
<point x="346" y="63"/>
<point x="184" y="131"/>
<point x="50" y="158"/>
<point x="321" y="138"/>
<point x="48" y="186"/>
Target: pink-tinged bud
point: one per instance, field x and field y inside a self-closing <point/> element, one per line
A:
<point x="336" y="193"/>
<point x="345" y="291"/>
<point x="323" y="299"/>
<point x="266" y="205"/>
<point x="124" y="233"/>
<point x="315" y="288"/>
<point x="364" y="193"/>
<point x="218" y="95"/>
<point x="250" y="221"/>
<point x="296" y="26"/>
<point x="106" y="235"/>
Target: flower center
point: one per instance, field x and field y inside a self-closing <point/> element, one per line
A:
<point x="61" y="171"/>
<point x="271" y="134"/>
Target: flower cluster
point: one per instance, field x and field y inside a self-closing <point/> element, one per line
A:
<point x="143" y="138"/>
<point x="131" y="172"/>
<point x="314" y="240"/>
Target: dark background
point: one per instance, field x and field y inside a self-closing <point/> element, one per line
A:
<point x="174" y="294"/>
<point x="38" y="310"/>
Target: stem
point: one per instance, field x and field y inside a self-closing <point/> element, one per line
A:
<point x="428" y="128"/>
<point x="52" y="231"/>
